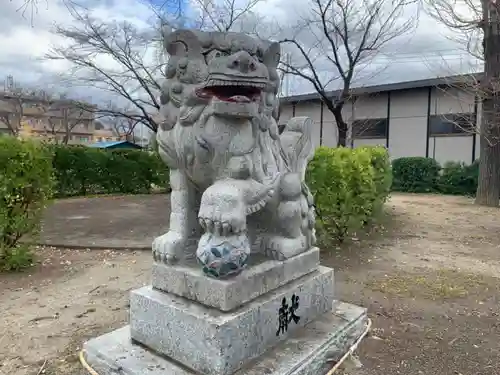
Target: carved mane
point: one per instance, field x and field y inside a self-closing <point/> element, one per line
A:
<point x="183" y="113"/>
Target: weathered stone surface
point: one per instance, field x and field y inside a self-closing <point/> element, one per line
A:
<point x="214" y="342"/>
<point x="230" y="168"/>
<point x="310" y="350"/>
<point x="263" y="276"/>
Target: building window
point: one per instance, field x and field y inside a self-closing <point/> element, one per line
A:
<point x="456" y="123"/>
<point x="369" y="128"/>
<point x="28" y="105"/>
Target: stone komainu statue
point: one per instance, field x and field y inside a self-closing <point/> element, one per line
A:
<point x="237" y="184"/>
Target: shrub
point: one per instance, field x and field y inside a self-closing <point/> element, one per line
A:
<point x="85" y="171"/>
<point x="26" y="183"/>
<point x="383" y="175"/>
<point x="75" y="167"/>
<point x="347" y="190"/>
<point x="459" y="178"/>
<point x="415" y="174"/>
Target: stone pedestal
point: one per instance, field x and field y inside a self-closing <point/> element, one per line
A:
<point x="262" y="276"/>
<point x="274" y="318"/>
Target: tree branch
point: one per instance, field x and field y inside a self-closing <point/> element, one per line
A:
<point x="344" y="34"/>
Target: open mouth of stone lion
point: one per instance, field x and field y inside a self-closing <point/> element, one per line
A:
<point x="231" y="91"/>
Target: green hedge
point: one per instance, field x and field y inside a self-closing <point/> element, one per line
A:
<point x="459" y="178"/>
<point x="415" y="174"/>
<point x="383" y="175"/>
<point x="26" y="181"/>
<point x="32" y="172"/>
<point x="86" y="171"/>
<point x="349" y="188"/>
<point x="425" y="175"/>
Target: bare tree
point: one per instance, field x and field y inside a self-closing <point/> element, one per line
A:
<point x="12" y="105"/>
<point x="465" y="19"/>
<point x="29" y="8"/>
<point x="51" y="114"/>
<point x="223" y="15"/>
<point x="123" y="127"/>
<point x="338" y="39"/>
<point x="476" y="24"/>
<point x="127" y="75"/>
<point x="132" y="72"/>
<point x="62" y="117"/>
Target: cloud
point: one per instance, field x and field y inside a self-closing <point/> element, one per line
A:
<point x="25" y="40"/>
<point x="425" y="53"/>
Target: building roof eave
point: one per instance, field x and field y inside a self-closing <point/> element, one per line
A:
<point x="405" y="85"/>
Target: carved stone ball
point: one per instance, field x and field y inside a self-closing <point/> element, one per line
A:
<point x="223" y="256"/>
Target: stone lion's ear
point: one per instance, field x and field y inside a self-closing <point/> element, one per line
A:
<point x="181" y="43"/>
<point x="272" y="55"/>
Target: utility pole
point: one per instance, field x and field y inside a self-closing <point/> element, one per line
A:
<point x="488" y="190"/>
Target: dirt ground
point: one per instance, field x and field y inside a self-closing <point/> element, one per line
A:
<point x="107" y="222"/>
<point x="428" y="275"/>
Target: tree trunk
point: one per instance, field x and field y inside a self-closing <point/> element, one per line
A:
<point x="341" y="126"/>
<point x="67" y="134"/>
<point x="488" y="189"/>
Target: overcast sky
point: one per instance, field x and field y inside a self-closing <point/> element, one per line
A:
<point x="423" y="54"/>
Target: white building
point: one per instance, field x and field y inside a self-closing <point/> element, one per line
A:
<point x="430" y="118"/>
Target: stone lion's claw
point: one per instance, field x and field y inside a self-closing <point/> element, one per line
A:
<point x="226" y="229"/>
<point x="282" y="248"/>
<point x="168" y="247"/>
<point x="169" y="259"/>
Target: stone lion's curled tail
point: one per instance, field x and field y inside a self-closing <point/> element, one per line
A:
<point x="296" y="142"/>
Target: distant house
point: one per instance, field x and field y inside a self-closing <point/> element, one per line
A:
<point x="115" y="145"/>
<point x="38" y="115"/>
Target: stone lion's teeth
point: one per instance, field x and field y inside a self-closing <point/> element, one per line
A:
<point x="240" y="99"/>
<point x="221" y="82"/>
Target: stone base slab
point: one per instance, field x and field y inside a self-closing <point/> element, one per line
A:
<point x="311" y="350"/>
<point x="262" y="276"/>
<point x="213" y="342"/>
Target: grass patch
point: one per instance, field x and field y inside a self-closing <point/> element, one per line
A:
<point x="444" y="284"/>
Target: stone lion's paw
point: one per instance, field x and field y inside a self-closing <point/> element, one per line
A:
<point x="223" y="224"/>
<point x="234" y="221"/>
<point x="281" y="248"/>
<point x="168" y="247"/>
<point x="272" y="249"/>
<point x="222" y="220"/>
